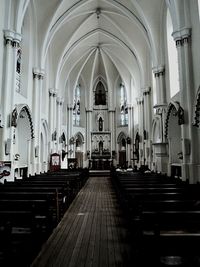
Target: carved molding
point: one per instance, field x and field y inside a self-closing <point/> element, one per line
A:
<point x="140" y="100"/>
<point x="196" y="121"/>
<point x="16" y="113"/>
<point x="159" y="71"/>
<point x="177" y="111"/>
<point x="38" y="74"/>
<point x="146" y="91"/>
<point x="182" y="36"/>
<point x="12" y="38"/>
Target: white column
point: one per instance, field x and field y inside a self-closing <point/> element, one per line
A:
<point x="112" y="129"/>
<point x="140" y="103"/>
<point x="89" y="129"/>
<point x="7" y="91"/>
<point x="189" y="134"/>
<point x="16" y="45"/>
<point x="38" y="76"/>
<point x="147" y="123"/>
<point x="59" y="122"/>
<point x="70" y="129"/>
<point x="51" y="93"/>
<point x="54" y="118"/>
<point x="160" y="150"/>
<point x="190" y="99"/>
<point x="130" y="135"/>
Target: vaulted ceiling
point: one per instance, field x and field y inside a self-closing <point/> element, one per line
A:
<point x="100" y="38"/>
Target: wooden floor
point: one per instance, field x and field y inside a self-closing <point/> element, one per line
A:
<point x="91" y="233"/>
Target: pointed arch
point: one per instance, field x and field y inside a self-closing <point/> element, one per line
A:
<point x="157" y="129"/>
<point x="120" y="137"/>
<point x="16" y="114"/>
<point x="196" y="121"/>
<point x="175" y="109"/>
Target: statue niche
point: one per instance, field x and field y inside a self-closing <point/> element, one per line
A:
<point x="100" y="94"/>
<point x="100" y="124"/>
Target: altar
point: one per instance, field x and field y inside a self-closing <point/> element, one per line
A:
<point x="101" y="158"/>
<point x="100" y="164"/>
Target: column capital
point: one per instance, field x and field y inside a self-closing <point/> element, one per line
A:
<point x="55" y="93"/>
<point x="12" y="38"/>
<point x="38" y="73"/>
<point x="129" y="106"/>
<point x="59" y="100"/>
<point x="88" y="109"/>
<point x="140" y="100"/>
<point x="9" y="36"/>
<point x="146" y="90"/>
<point x="159" y="70"/>
<point x="160" y="108"/>
<point x="182" y="36"/>
<point x="17" y="39"/>
<point x="70" y="106"/>
<point x="52" y="92"/>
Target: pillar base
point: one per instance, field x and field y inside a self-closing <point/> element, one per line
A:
<point x="161" y="158"/>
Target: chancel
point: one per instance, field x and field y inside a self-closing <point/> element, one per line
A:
<point x="99" y="133"/>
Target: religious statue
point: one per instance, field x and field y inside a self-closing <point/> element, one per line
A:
<point x="14" y="118"/>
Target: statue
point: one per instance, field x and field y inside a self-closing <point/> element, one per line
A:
<point x="14" y="118"/>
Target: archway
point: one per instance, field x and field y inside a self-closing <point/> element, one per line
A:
<point x="79" y="141"/>
<point x="121" y="140"/>
<point x="100" y="124"/>
<point x="100" y="94"/>
<point x="44" y="146"/>
<point x="22" y="134"/>
<point x="174" y="118"/>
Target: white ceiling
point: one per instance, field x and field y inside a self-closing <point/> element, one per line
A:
<point x="108" y="38"/>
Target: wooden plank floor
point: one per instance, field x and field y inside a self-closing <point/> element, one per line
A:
<point x="91" y="233"/>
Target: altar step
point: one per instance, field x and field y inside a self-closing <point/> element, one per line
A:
<point x="97" y="173"/>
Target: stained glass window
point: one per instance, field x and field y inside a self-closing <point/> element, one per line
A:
<point x="76" y="106"/>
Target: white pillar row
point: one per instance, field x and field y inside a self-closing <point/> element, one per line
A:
<point x="16" y="44"/>
<point x="51" y="93"/>
<point x="188" y="133"/>
<point x="59" y="122"/>
<point x="147" y="123"/>
<point x="159" y="73"/>
<point x="112" y="129"/>
<point x="70" y="128"/>
<point x="12" y="40"/>
<point x="140" y="103"/>
<point x="161" y="103"/>
<point x="160" y="157"/>
<point x="54" y="119"/>
<point x="130" y="134"/>
<point x="38" y="76"/>
<point x="89" y="129"/>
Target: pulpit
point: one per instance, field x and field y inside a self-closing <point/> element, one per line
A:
<point x="54" y="162"/>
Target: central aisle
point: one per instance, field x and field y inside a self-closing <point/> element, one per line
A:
<point x="91" y="233"/>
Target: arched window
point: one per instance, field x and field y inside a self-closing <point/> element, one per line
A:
<point x="76" y="107"/>
<point x="123" y="106"/>
<point x="100" y="94"/>
<point x="100" y="124"/>
<point x="172" y="58"/>
<point x="100" y="147"/>
<point x="18" y="69"/>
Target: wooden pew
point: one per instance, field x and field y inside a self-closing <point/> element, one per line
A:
<point x="164" y="216"/>
<point x="30" y="208"/>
